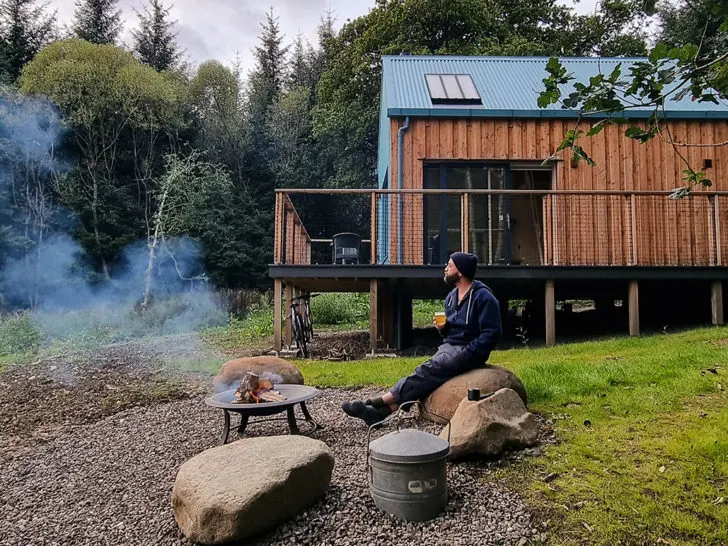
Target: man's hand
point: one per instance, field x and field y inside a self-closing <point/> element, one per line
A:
<point x="438" y="326"/>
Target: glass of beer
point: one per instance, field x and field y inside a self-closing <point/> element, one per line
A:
<point x="440" y="319"/>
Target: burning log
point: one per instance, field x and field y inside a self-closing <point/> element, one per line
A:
<point x="254" y="390"/>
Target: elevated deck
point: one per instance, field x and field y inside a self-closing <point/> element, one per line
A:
<point x="585" y="244"/>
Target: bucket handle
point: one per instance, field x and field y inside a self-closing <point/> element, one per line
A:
<point x="397" y="414"/>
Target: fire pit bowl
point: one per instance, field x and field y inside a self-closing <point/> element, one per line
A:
<point x="295" y="394"/>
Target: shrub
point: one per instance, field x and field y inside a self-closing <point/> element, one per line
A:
<point x="18" y="334"/>
<point x="346" y="308"/>
<point x="424" y="310"/>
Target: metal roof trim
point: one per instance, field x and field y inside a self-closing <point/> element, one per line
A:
<point x="547" y="114"/>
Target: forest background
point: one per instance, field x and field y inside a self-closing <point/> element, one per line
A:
<point x="130" y="170"/>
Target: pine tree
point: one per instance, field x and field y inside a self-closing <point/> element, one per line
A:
<point x="265" y="85"/>
<point x="97" y="21"/>
<point x="300" y="73"/>
<point x="155" y="41"/>
<point x="320" y="57"/>
<point x="25" y="27"/>
<point x="270" y="55"/>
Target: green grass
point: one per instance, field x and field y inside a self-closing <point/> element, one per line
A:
<point x="643" y="430"/>
<point x="254" y="328"/>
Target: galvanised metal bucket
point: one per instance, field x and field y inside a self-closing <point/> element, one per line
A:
<point x="407" y="472"/>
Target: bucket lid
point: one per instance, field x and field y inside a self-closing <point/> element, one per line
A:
<point x="409" y="446"/>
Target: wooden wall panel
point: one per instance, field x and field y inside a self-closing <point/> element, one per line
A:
<point x="584" y="230"/>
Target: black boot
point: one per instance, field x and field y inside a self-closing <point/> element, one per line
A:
<point x="370" y="415"/>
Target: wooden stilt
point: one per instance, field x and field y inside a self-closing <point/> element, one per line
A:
<point x="634" y="308"/>
<point x="388" y="311"/>
<point x="373" y="313"/>
<point x="289" y="327"/>
<point x="550" y="313"/>
<point x="716" y="301"/>
<point x="277" y="338"/>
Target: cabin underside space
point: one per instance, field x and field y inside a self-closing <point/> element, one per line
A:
<point x="541" y="306"/>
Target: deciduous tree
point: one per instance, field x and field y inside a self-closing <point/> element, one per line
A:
<point x="113" y="104"/>
<point x="698" y="71"/>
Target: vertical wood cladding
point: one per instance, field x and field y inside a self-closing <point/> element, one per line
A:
<point x="582" y="230"/>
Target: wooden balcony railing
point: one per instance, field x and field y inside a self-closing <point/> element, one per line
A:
<point x="523" y="227"/>
<point x="291" y="240"/>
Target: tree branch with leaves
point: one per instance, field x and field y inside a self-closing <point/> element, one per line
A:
<point x="668" y="74"/>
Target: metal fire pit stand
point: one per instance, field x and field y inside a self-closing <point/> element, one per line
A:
<point x="295" y="394"/>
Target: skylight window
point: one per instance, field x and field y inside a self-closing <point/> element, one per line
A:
<point x="452" y="89"/>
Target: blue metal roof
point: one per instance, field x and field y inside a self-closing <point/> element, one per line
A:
<point x="509" y="87"/>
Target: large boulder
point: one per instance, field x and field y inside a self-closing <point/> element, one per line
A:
<point x="488" y="427"/>
<point x="445" y="399"/>
<point x="240" y="489"/>
<point x="277" y="369"/>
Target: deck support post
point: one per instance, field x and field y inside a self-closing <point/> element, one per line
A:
<point x="403" y="317"/>
<point x="716" y="302"/>
<point x="387" y="316"/>
<point x="289" y="327"/>
<point x="277" y="338"/>
<point x="634" y="308"/>
<point x="373" y="313"/>
<point x="550" y="307"/>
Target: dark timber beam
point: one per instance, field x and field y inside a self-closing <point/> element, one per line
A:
<point x="550" y="297"/>
<point x="511" y="273"/>
<point x="634" y="308"/>
<point x="277" y="338"/>
<point x="373" y="313"/>
<point x="716" y="302"/>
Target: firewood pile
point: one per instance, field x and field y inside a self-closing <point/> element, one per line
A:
<point x="255" y="390"/>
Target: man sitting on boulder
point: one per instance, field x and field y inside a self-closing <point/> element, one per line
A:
<point x="471" y="331"/>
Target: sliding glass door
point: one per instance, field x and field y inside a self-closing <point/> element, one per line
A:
<point x="488" y="215"/>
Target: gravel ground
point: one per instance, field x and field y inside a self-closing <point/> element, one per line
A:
<point x="108" y="480"/>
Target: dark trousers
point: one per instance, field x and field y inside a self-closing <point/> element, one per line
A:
<point x="429" y="375"/>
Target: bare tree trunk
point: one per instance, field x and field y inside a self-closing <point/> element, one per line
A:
<point x="158" y="218"/>
<point x="97" y="237"/>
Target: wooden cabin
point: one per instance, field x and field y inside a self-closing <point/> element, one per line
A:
<point x="466" y="162"/>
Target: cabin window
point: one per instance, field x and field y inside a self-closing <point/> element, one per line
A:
<point x="502" y="228"/>
<point x="486" y="218"/>
<point x="452" y="89"/>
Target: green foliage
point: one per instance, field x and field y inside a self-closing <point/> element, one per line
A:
<point x="122" y="115"/>
<point x="18" y="334"/>
<point x="423" y="312"/>
<point x="306" y="119"/>
<point x="103" y="84"/>
<point x="702" y="22"/>
<point x="675" y="68"/>
<point x="340" y="309"/>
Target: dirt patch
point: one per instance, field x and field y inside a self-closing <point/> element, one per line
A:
<point x="45" y="399"/>
<point x="339" y="345"/>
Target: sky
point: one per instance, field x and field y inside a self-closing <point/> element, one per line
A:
<point x="223" y="29"/>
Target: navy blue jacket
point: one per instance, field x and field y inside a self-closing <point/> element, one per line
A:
<point x="475" y="322"/>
